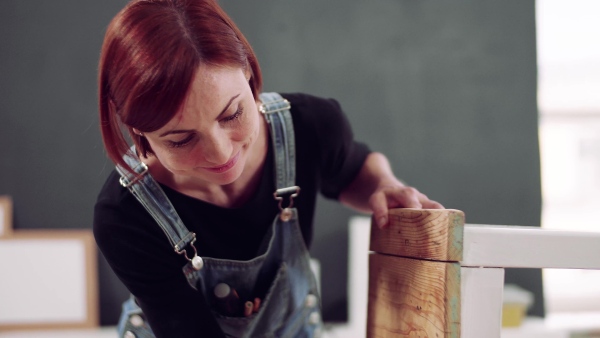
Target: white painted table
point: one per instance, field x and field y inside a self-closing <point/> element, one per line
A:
<point x="487" y="251"/>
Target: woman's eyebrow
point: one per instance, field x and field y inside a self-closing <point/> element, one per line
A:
<point x="227" y="106"/>
<point x="183" y="131"/>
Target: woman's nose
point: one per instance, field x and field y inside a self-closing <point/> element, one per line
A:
<point x="216" y="149"/>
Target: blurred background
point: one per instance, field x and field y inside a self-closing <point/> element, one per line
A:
<point x="488" y="107"/>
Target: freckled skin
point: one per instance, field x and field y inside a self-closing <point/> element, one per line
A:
<point x="220" y="136"/>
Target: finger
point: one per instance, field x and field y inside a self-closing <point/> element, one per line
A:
<point x="379" y="206"/>
<point x="405" y="198"/>
<point x="393" y="197"/>
<point x="429" y="204"/>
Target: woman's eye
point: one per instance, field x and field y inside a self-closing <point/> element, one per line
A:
<point x="234" y="116"/>
<point x="182" y="143"/>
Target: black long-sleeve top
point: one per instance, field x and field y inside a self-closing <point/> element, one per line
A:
<point x="327" y="160"/>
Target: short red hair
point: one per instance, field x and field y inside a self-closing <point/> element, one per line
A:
<point x="150" y="54"/>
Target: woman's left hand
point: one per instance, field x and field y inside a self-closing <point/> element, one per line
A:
<point x="397" y="196"/>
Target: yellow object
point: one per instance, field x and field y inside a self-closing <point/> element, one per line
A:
<point x="513" y="314"/>
<point x="515" y="304"/>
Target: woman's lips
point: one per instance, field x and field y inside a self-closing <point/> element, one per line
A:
<point x="223" y="168"/>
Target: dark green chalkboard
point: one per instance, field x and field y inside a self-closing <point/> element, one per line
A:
<point x="446" y="89"/>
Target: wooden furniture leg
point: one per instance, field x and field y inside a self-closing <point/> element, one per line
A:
<point x="414" y="275"/>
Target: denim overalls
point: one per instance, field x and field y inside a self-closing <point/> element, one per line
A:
<point x="280" y="275"/>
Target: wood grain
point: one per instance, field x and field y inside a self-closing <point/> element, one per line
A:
<point x="6" y="209"/>
<point x="434" y="234"/>
<point x="413" y="298"/>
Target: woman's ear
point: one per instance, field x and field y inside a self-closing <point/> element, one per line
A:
<point x="248" y="73"/>
<point x="137" y="132"/>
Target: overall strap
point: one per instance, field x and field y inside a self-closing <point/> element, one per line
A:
<point x="149" y="193"/>
<point x="276" y="110"/>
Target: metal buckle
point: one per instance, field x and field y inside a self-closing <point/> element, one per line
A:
<point x="263" y="107"/>
<point x="182" y="250"/>
<point x="126" y="184"/>
<point x="197" y="261"/>
<point x="291" y="192"/>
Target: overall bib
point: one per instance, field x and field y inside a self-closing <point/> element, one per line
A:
<point x="280" y="275"/>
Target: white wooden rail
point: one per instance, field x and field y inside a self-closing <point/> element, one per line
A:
<point x="488" y="249"/>
<point x="529" y="247"/>
<point x="436" y="240"/>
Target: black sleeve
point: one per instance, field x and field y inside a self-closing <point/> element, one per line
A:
<point x="139" y="254"/>
<point x="323" y="122"/>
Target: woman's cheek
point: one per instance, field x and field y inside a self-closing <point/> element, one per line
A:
<point x="252" y="128"/>
<point x="180" y="160"/>
<point x="183" y="163"/>
<point x="192" y="158"/>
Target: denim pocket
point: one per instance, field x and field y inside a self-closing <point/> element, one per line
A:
<point x="132" y="322"/>
<point x="271" y="315"/>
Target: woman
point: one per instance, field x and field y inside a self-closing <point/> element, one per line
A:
<point x="222" y="175"/>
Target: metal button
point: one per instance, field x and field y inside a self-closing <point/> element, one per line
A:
<point x="310" y="301"/>
<point x="314" y="318"/>
<point x="129" y="334"/>
<point x="136" y="320"/>
<point x="197" y="262"/>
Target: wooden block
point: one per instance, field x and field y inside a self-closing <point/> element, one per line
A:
<point x="413" y="298"/>
<point x="435" y="234"/>
<point x="6" y="209"/>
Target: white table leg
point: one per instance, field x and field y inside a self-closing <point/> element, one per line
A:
<point x="481" y="302"/>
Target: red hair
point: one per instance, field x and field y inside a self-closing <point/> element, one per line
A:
<point x="150" y="54"/>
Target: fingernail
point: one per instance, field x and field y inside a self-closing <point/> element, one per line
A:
<point x="381" y="221"/>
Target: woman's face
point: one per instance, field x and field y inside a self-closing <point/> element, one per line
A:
<point x="212" y="137"/>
